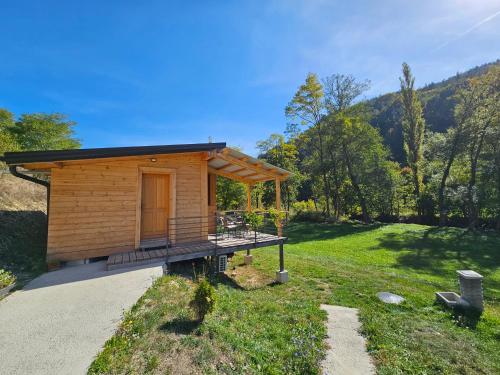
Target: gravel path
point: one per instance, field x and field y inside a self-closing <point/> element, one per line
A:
<point x="347" y="353"/>
<point x="61" y="320"/>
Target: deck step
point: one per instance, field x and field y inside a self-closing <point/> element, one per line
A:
<point x="154" y="243"/>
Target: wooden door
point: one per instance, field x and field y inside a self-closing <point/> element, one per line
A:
<point x="154" y="205"/>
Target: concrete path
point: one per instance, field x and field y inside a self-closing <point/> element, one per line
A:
<point x="347" y="353"/>
<point x="61" y="320"/>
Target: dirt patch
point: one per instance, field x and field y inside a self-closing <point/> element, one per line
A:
<point x="247" y="277"/>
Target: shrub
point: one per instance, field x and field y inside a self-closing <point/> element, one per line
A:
<point x="303" y="206"/>
<point x="6" y="278"/>
<point x="310" y="216"/>
<point x="253" y="219"/>
<point x="204" y="299"/>
<point x="276" y="216"/>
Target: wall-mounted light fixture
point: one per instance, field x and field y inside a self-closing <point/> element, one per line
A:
<point x="153" y="160"/>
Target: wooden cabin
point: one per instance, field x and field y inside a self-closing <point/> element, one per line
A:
<point x="108" y="201"/>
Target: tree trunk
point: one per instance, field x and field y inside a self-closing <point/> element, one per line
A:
<point x="354" y="181"/>
<point x="470" y="197"/>
<point x="442" y="186"/>
<point x="498" y="189"/>
<point x="323" y="171"/>
<point x="336" y="191"/>
<point x="416" y="183"/>
<point x="474" y="155"/>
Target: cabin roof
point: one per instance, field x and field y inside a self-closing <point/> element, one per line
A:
<point x="222" y="160"/>
<point x="25" y="157"/>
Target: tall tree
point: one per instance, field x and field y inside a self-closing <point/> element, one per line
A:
<point x="413" y="124"/>
<point x="341" y="91"/>
<point x="40" y="131"/>
<point x="484" y="119"/>
<point x="308" y="107"/>
<point x="284" y="155"/>
<point x="231" y="194"/>
<point x="7" y="141"/>
<point x="467" y="102"/>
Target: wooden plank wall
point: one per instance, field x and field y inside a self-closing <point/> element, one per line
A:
<point x="93" y="203"/>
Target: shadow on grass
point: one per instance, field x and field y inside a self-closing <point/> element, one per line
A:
<point x="224" y="279"/>
<point x="300" y="232"/>
<point x="232" y="283"/>
<point x="180" y="326"/>
<point x="190" y="269"/>
<point x="23" y="241"/>
<point x="433" y="249"/>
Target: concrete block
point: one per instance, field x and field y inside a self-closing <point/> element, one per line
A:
<point x="248" y="259"/>
<point x="471" y="288"/>
<point x="282" y="276"/>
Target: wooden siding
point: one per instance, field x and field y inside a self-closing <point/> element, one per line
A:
<point x="93" y="205"/>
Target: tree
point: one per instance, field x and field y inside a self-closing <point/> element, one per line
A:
<point x="308" y="107"/>
<point x="483" y="120"/>
<point x="40" y="131"/>
<point x="491" y="175"/>
<point x="230" y="194"/>
<point x="413" y="125"/>
<point x="467" y="102"/>
<point x="341" y="91"/>
<point x="7" y="141"/>
<point x="276" y="151"/>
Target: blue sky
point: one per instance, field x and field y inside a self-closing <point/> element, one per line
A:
<point x="162" y="72"/>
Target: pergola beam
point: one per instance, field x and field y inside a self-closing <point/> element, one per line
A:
<point x="229" y="175"/>
<point x="246" y="165"/>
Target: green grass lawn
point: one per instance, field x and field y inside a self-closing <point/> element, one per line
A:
<point x="262" y="327"/>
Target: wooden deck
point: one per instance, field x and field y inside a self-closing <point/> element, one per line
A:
<point x="186" y="251"/>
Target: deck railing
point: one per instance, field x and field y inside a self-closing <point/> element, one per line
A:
<point x="222" y="225"/>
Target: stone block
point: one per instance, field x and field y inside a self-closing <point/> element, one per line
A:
<point x="248" y="259"/>
<point x="282" y="276"/>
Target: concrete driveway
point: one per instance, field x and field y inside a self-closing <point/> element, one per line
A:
<point x="61" y="320"/>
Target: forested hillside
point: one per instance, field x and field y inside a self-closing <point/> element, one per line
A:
<point x="438" y="104"/>
<point x="430" y="155"/>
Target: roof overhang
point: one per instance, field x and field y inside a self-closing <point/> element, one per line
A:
<point x="238" y="166"/>
<point x="222" y="160"/>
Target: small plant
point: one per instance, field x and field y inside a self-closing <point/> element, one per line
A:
<point x="204" y="299"/>
<point x="6" y="278"/>
<point x="253" y="219"/>
<point x="277" y="216"/>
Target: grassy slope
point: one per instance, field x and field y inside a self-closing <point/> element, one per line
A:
<point x="22" y="227"/>
<point x="260" y="327"/>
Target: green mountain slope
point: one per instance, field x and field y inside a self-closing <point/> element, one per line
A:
<point x="438" y="102"/>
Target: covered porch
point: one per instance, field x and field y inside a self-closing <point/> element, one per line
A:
<point x="217" y="233"/>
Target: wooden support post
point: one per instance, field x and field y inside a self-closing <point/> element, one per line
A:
<point x="249" y="197"/>
<point x="282" y="257"/>
<point x="278" y="203"/>
<point x="248" y="257"/>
